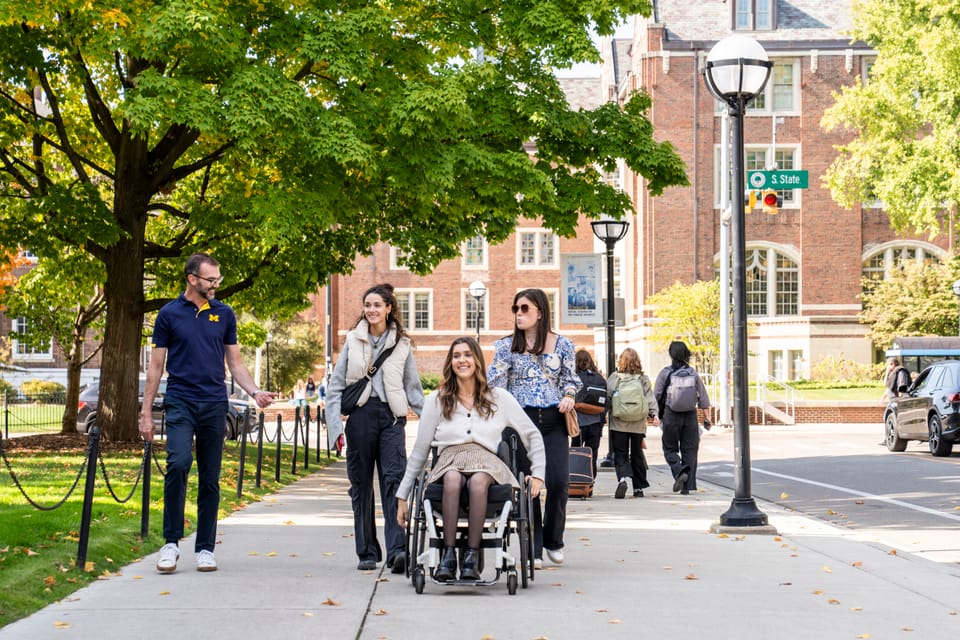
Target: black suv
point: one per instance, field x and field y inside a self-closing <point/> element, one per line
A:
<point x="238" y="411"/>
<point x="930" y="411"/>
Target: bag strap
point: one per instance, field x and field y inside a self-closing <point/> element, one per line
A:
<point x="379" y="361"/>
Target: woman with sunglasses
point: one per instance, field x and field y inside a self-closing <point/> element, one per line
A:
<point x="536" y="366"/>
<point x="375" y="431"/>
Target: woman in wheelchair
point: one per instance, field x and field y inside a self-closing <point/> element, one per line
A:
<point x="464" y="419"/>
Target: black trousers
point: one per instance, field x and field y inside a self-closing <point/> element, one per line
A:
<point x="550" y="520"/>
<point x="375" y="439"/>
<point x="628" y="457"/>
<point x="681" y="442"/>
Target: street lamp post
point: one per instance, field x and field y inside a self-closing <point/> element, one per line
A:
<point x="477" y="289"/>
<point x="610" y="232"/>
<point x="956" y="292"/>
<point x="736" y="71"/>
<point x="269" y="340"/>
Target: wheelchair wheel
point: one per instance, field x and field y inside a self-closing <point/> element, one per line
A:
<point x="418" y="579"/>
<point x="416" y="531"/>
<point x="410" y="547"/>
<point x="524" y="535"/>
<point x="512" y="584"/>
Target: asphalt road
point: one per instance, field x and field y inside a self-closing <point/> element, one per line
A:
<point x="843" y="474"/>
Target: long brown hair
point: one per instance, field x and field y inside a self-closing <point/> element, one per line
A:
<point x="542" y="303"/>
<point x="449" y="385"/>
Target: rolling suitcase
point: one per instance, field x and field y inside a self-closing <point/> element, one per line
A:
<point x="581" y="472"/>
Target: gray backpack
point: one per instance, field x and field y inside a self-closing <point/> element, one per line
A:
<point x="682" y="390"/>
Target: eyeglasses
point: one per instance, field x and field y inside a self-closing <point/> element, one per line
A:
<point x="212" y="281"/>
<point x="525" y="308"/>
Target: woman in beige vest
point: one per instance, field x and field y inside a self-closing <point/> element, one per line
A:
<point x="375" y="430"/>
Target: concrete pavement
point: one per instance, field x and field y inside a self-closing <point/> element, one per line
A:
<point x="637" y="567"/>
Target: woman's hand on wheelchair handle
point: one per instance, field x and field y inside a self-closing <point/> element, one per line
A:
<point x="402" y="512"/>
<point x="535" y="484"/>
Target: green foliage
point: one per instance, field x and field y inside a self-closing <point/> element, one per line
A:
<point x="905" y="118"/>
<point x="295" y="347"/>
<point x="6" y="388"/>
<point x="43" y="390"/>
<point x="916" y="300"/>
<point x="287" y="139"/>
<point x="690" y="313"/>
<point x="430" y="381"/>
<point x="843" y="372"/>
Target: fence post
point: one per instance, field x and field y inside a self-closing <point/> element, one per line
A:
<point x="6" y="416"/>
<point x="93" y="450"/>
<point x="319" y="413"/>
<point x="306" y="437"/>
<point x="243" y="451"/>
<point x="145" y="490"/>
<point x="279" y="437"/>
<point x="296" y="432"/>
<point x="260" y="417"/>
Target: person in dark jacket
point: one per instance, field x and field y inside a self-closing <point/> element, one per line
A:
<point x="591" y="424"/>
<point x="680" y="431"/>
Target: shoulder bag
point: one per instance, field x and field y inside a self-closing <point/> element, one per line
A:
<point x="350" y="398"/>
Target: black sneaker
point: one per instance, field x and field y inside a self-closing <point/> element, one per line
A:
<point x="621" y="489"/>
<point x="399" y="563"/>
<point x="367" y="565"/>
<point x="680" y="481"/>
<point x="638" y="493"/>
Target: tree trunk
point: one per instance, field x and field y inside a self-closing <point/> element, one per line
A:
<point x="71" y="402"/>
<point x="118" y="409"/>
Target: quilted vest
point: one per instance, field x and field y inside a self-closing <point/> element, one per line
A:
<point x="361" y="357"/>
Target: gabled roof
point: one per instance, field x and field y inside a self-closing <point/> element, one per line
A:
<point x="824" y="21"/>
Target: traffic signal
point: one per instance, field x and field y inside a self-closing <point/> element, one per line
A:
<point x="750" y="202"/>
<point x="771" y="202"/>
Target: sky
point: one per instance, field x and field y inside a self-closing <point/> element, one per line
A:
<point x="584" y="70"/>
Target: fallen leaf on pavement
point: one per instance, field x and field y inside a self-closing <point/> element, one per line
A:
<point x="380" y="612"/>
<point x="59" y="624"/>
<point x="722" y="535"/>
<point x="784" y="495"/>
<point x="831" y="512"/>
<point x="164" y="593"/>
<point x="252" y="553"/>
<point x="330" y="602"/>
<point x="818" y="592"/>
<point x="601" y="610"/>
<point x="827" y="570"/>
<point x="308" y="614"/>
<point x="833" y="601"/>
<point x="777" y="538"/>
<point x="328" y="553"/>
<point x="864" y="636"/>
<point x="856" y="608"/>
<point x="858" y="501"/>
<point x="615" y="621"/>
<point x="272" y="554"/>
<point x="691" y="576"/>
<point x="289" y="522"/>
<point x="138" y="577"/>
<point x="906" y="629"/>
<point x="892" y="552"/>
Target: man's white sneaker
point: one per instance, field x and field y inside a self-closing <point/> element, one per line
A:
<point x="554" y="555"/>
<point x="206" y="561"/>
<point x="537" y="564"/>
<point x="169" y="554"/>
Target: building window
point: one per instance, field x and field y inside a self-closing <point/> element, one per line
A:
<point x="475" y="253"/>
<point x="537" y="249"/>
<point x="415" y="309"/>
<point x="475" y="312"/>
<point x="22" y="351"/>
<point x="796" y="364"/>
<point x="753" y="15"/>
<point x="781" y="94"/>
<point x="883" y="261"/>
<point x="396" y="260"/>
<point x="772" y="283"/>
<point x="755" y="158"/>
<point x="777" y="366"/>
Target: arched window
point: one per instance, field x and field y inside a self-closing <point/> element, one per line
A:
<point x="772" y="283"/>
<point x="880" y="261"/>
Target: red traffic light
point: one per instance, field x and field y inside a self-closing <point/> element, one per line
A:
<point x="771" y="202"/>
<point x="770" y="199"/>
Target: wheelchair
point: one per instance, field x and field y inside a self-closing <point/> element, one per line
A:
<point x="507" y="516"/>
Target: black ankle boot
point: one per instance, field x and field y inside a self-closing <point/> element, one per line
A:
<point x="448" y="565"/>
<point x="469" y="571"/>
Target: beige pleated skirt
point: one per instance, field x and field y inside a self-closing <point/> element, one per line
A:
<point x="472" y="458"/>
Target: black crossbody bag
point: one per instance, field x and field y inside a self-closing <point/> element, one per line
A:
<point x="351" y="395"/>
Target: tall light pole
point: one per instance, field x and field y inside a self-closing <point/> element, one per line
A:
<point x="736" y="71"/>
<point x="477" y="289"/>
<point x="269" y="340"/>
<point x="956" y="292"/>
<point x="610" y="232"/>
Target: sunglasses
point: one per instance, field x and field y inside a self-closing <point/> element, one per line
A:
<point x="212" y="281"/>
<point x="525" y="308"/>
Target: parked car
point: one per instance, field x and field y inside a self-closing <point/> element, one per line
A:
<point x="930" y="411"/>
<point x="238" y="411"/>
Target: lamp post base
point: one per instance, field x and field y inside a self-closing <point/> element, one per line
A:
<point x="743" y="516"/>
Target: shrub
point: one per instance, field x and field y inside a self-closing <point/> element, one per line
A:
<point x="43" y="390"/>
<point x="7" y="389"/>
<point x="429" y="381"/>
<point x="845" y="372"/>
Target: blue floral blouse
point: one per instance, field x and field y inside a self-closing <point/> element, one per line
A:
<point x="535" y="380"/>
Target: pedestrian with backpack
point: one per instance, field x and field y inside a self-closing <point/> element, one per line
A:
<point x="632" y="401"/>
<point x="679" y="392"/>
<point x="590" y="405"/>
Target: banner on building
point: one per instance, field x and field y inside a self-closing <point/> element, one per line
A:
<point x="581" y="297"/>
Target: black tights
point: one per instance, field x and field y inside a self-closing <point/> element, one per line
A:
<point x="477" y="486"/>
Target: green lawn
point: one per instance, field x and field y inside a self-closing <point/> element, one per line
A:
<point x="31" y="418"/>
<point x="38" y="549"/>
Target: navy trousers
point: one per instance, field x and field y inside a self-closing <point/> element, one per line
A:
<point x="681" y="442"/>
<point x="375" y="438"/>
<point x="185" y="420"/>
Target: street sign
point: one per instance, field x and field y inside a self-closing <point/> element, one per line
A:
<point x="777" y="179"/>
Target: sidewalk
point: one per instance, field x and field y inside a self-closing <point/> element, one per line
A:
<point x="638" y="567"/>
